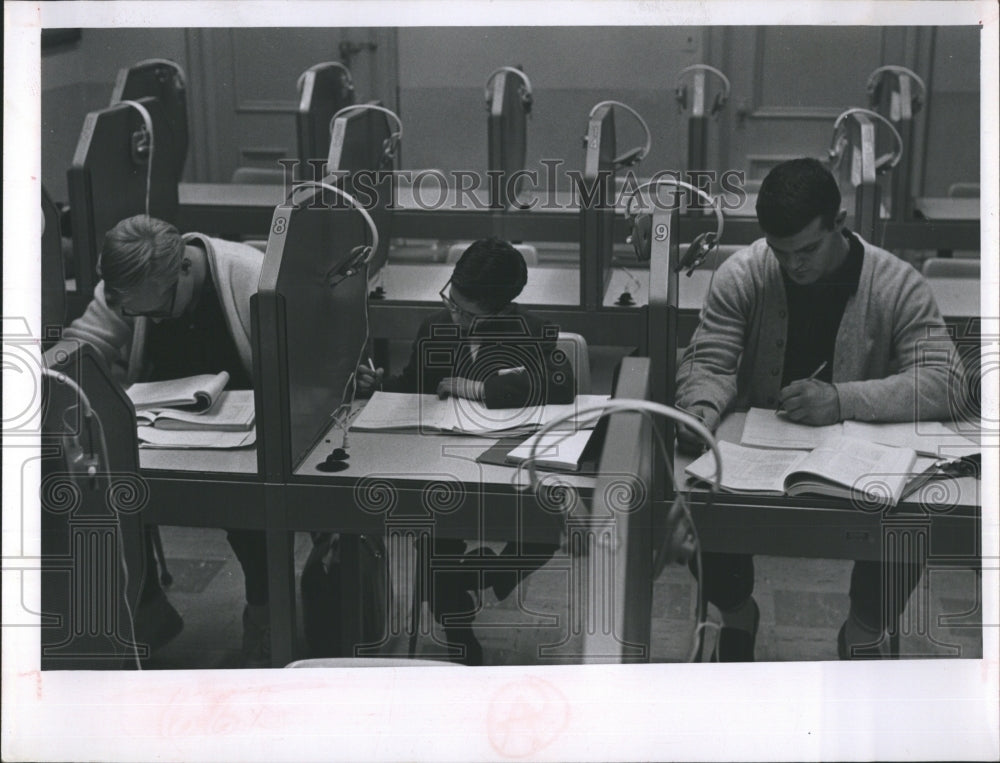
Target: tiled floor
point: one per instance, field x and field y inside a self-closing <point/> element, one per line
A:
<point x="802" y="603"/>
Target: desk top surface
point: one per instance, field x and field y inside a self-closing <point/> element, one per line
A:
<point x="422" y="458"/>
<point x="731" y="430"/>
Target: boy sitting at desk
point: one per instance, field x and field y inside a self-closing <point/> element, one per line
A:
<point x="812" y="295"/>
<point x="171" y="306"/>
<point x="482" y="347"/>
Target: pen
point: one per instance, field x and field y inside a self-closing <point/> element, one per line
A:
<point x="810" y="377"/>
<point x="371" y="364"/>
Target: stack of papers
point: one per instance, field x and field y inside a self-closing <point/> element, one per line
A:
<point x="174" y="421"/>
<point x="428" y="414"/>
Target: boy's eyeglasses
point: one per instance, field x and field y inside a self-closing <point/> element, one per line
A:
<point x="153" y="313"/>
<point x="453" y="306"/>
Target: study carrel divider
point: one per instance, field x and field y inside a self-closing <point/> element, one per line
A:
<point x="107" y="181"/>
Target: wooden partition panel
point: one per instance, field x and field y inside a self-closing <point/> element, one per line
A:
<point x="325" y="91"/>
<point x="507" y="138"/>
<point x="107" y="180"/>
<point x="164" y="81"/>
<point x="358" y="154"/>
<point x="91" y="499"/>
<point x="612" y="540"/>
<point x="53" y="269"/>
<point x="597" y="208"/>
<point x="310" y="326"/>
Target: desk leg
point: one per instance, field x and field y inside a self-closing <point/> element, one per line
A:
<point x="281" y="578"/>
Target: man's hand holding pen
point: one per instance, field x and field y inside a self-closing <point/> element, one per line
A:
<point x="810" y="401"/>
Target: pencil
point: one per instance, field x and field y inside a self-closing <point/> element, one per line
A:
<point x="810" y="377"/>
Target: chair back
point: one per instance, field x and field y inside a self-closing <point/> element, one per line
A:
<point x="949" y="267"/>
<point x="575" y="347"/>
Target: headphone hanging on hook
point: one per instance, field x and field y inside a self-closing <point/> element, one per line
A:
<point x="877" y="78"/>
<point x="721" y="98"/>
<point x="391" y="144"/>
<point x="634" y="155"/>
<point x="640" y="227"/>
<point x="360" y="255"/>
<point x="348" y="79"/>
<point x="839" y="141"/>
<point x="142" y="146"/>
<point x="525" y="88"/>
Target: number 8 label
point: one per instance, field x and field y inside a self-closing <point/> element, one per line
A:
<point x="279" y="225"/>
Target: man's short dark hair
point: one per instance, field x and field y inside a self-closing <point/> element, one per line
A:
<point x="491" y="273"/>
<point x="794" y="194"/>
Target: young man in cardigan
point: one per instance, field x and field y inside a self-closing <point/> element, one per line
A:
<point x="809" y="295"/>
<point x="171" y="306"/>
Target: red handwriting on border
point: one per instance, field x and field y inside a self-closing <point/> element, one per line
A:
<point x="221" y="712"/>
<point x="526" y="716"/>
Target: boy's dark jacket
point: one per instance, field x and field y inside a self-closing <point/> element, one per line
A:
<point x="517" y="359"/>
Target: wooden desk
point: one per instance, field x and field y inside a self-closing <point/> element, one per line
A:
<point x="203" y="488"/>
<point x="947" y="511"/>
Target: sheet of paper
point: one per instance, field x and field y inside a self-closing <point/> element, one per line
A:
<point x="767" y="429"/>
<point x="554" y="449"/>
<point x="931" y="438"/>
<point x="757" y="470"/>
<point x="150" y="437"/>
<point x="401" y="410"/>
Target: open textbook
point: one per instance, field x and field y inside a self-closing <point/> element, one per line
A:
<point x="766" y="429"/>
<point x="232" y="411"/>
<point x="841" y="467"/>
<point x="193" y="393"/>
<point x="405" y="412"/>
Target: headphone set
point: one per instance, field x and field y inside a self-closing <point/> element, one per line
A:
<point x="634" y="155"/>
<point x="879" y="76"/>
<point x="840" y="140"/>
<point x="348" y="80"/>
<point x="391" y="144"/>
<point x="360" y="255"/>
<point x="681" y="91"/>
<point x="142" y="145"/>
<point x="524" y="90"/>
<point x="641" y="228"/>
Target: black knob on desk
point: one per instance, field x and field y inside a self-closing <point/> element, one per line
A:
<point x="625" y="300"/>
<point x="377" y="293"/>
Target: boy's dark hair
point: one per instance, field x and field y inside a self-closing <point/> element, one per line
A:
<point x="795" y="193"/>
<point x="491" y="273"/>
